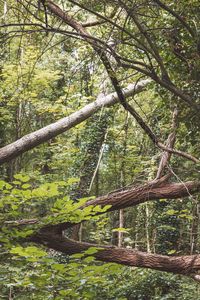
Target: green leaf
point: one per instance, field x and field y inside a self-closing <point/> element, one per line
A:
<point x="17" y="182"/>
<point x="31" y="252"/>
<point x="89" y="259"/>
<point x="171" y="212"/>
<point x="26" y="186"/>
<point x="73" y="180"/>
<point x="78" y="255"/>
<point x="2" y="184"/>
<point x="58" y="267"/>
<point x="171" y="252"/>
<point x="92" y="250"/>
<point x="23" y="178"/>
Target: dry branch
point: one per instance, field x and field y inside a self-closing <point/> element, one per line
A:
<point x="42" y="135"/>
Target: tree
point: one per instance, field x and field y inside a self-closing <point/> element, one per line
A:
<point x="123" y="37"/>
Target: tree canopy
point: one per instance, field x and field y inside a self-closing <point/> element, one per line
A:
<point x="99" y="157"/>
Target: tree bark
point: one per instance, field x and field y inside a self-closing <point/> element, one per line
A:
<point x="179" y="265"/>
<point x="121" y="199"/>
<point x="42" y="135"/>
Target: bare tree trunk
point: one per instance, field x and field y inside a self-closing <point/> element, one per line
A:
<point x="123" y="182"/>
<point x="44" y="134"/>
<point x="121" y="225"/>
<point x="136" y="246"/>
<point x="147" y="228"/>
<point x="154" y="240"/>
<point x="194" y="228"/>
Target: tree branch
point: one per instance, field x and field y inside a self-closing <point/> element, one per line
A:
<point x="111" y="73"/>
<point x="132" y="196"/>
<point x="154" y="190"/>
<point x="42" y="135"/>
<point x="169" y="144"/>
<point x="177" y="16"/>
<point x="178" y="265"/>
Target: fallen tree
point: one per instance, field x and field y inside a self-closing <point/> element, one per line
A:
<point x="155" y="190"/>
<point x="42" y="135"/>
<point x="185" y="265"/>
<point x="52" y="235"/>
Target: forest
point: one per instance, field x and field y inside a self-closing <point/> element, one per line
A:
<point x="99" y="149"/>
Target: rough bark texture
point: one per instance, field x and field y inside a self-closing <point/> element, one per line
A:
<point x="154" y="190"/>
<point x="142" y="194"/>
<point x="180" y="265"/>
<point x="51" y="236"/>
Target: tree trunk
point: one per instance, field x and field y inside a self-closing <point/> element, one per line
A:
<point x="42" y="135"/>
<point x="179" y="265"/>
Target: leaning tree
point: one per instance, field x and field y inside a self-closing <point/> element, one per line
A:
<point x="157" y="43"/>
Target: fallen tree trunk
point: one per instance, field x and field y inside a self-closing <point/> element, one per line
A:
<point x="44" y="134"/>
<point x="185" y="265"/>
<point x="154" y="190"/>
<point x="51" y="236"/>
<point x="142" y="194"/>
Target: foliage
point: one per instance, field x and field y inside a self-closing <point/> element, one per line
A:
<point x="48" y="71"/>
